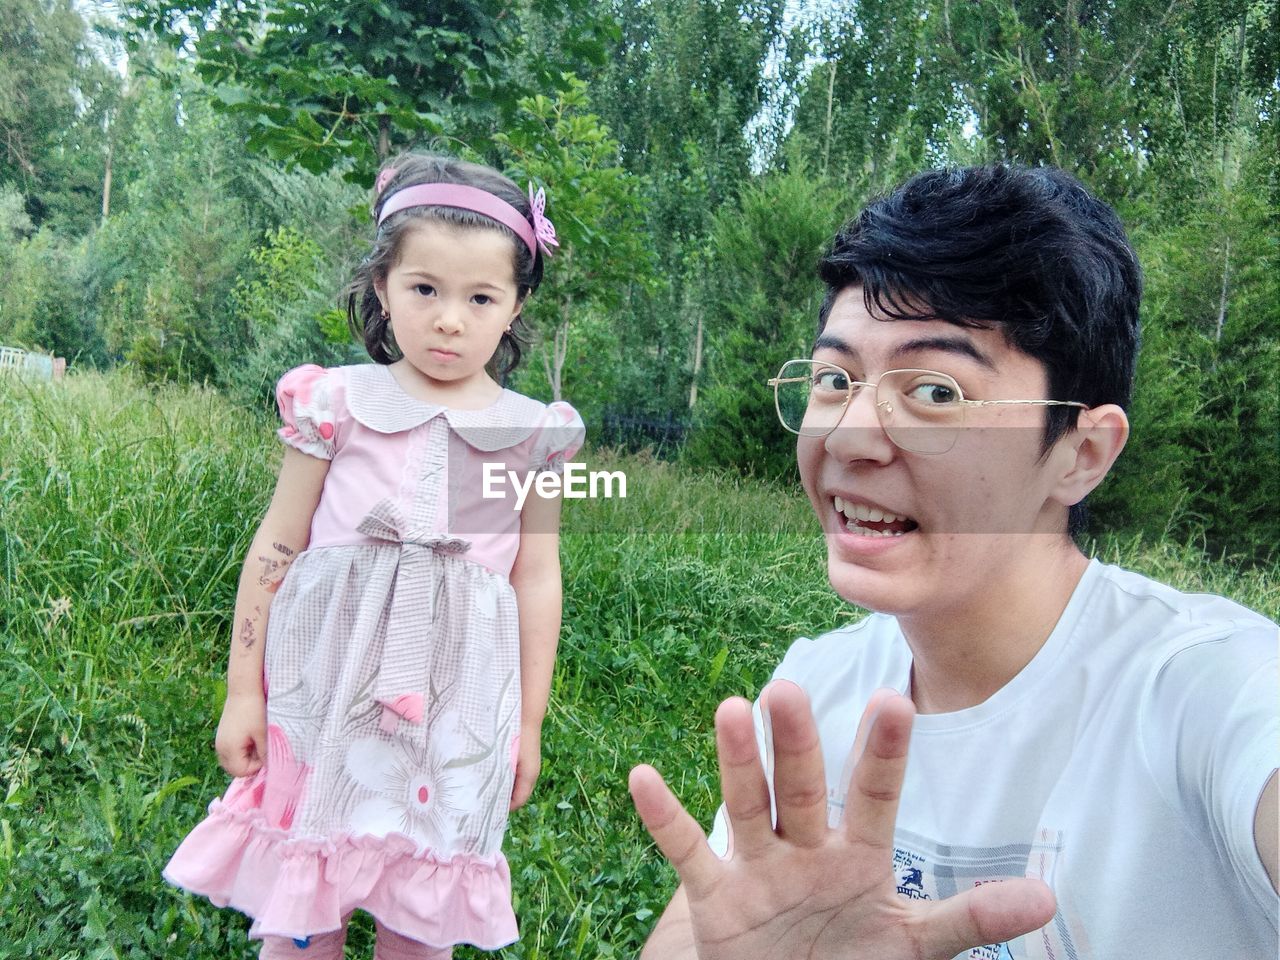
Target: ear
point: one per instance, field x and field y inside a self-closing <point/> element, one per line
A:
<point x="380" y="288"/>
<point x="518" y="309"/>
<point x="1088" y="452"/>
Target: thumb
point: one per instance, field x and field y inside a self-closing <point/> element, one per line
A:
<point x="991" y="913"/>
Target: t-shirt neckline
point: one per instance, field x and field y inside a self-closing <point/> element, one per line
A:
<point x="1026" y="680"/>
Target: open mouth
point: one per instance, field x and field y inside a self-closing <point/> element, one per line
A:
<point x="868" y="521"/>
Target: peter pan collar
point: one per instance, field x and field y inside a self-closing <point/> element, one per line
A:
<point x="378" y="402"/>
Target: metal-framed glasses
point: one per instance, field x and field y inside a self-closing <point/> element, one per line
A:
<point x="921" y="411"/>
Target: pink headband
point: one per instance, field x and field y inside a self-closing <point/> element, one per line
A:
<point x="540" y="234"/>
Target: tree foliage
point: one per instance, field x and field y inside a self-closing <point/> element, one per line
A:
<point x="51" y="93"/>
<point x="558" y="142"/>
<point x="762" y="307"/>
<point x="196" y="214"/>
<point x="325" y="83"/>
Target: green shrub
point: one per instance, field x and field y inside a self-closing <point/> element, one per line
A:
<point x="762" y="309"/>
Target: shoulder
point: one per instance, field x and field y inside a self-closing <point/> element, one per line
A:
<point x="561" y="427"/>
<point x="310" y="383"/>
<point x="849" y="662"/>
<point x="311" y="400"/>
<point x="1165" y="625"/>
<point x="558" y="430"/>
<point x="1205" y="668"/>
<point x="524" y="409"/>
<point x="1183" y="657"/>
<point x="541" y="415"/>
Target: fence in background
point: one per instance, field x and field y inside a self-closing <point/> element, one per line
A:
<point x="38" y="366"/>
<point x="661" y="435"/>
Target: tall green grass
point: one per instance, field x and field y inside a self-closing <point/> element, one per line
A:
<point x="124" y="514"/>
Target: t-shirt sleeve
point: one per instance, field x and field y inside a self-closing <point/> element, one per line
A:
<point x="305" y="396"/>
<point x="1211" y="730"/>
<point x="560" y="435"/>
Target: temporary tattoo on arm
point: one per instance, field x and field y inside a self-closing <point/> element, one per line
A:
<point x="269" y="567"/>
<point x="249" y="629"/>
<point x="273" y="569"/>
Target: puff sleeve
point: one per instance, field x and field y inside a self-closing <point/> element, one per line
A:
<point x="560" y="435"/>
<point x="305" y="398"/>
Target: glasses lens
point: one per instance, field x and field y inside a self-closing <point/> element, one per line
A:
<point x="811" y="396"/>
<point x="921" y="409"/>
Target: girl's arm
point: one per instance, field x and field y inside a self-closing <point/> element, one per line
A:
<point x="535" y="577"/>
<point x="241" y="741"/>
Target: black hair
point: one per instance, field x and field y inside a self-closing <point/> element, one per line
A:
<point x="1026" y="250"/>
<point x="364" y="310"/>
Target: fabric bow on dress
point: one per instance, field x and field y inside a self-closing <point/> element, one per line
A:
<point x="398" y="686"/>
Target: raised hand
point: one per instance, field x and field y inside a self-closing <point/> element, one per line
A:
<point x="801" y="889"/>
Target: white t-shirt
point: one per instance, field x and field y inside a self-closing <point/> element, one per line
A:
<point x="1122" y="765"/>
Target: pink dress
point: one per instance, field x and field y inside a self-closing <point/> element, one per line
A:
<point x="393" y="674"/>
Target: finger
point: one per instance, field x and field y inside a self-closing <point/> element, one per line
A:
<point x="990" y="913"/>
<point x="742" y="783"/>
<point x="868" y="719"/>
<point x="519" y="795"/>
<point x="799" y="782"/>
<point x="239" y="766"/>
<point x="523" y="789"/>
<point x="677" y="834"/>
<point x="871" y="805"/>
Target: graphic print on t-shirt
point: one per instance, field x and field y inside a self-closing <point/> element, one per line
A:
<point x="926" y="870"/>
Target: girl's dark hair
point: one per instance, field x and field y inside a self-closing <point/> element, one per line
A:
<point x="1027" y="251"/>
<point x="364" y="311"/>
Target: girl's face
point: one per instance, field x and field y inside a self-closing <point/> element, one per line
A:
<point x="451" y="295"/>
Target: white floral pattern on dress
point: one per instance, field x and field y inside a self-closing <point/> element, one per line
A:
<point x="416" y="792"/>
<point x="486" y="600"/>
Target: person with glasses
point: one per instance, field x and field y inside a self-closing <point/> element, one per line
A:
<point x="1056" y="758"/>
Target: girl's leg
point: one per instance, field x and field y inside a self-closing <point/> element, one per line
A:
<point x="390" y="945"/>
<point x="322" y="946"/>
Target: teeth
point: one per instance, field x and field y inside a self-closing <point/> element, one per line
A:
<point x="853" y="527"/>
<point x="858" y="513"/>
<point x="861" y="512"/>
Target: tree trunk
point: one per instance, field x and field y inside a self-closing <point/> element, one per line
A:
<point x="106" y="184"/>
<point x="826" y="140"/>
<point x="697" y="364"/>
<point x="560" y="349"/>
<point x="384" y="138"/>
<point x="1222" y="296"/>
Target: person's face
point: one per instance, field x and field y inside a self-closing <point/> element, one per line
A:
<point x="451" y="296"/>
<point x="960" y="519"/>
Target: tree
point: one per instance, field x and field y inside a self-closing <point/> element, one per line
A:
<point x="877" y="106"/>
<point x="557" y="142"/>
<point x="50" y="88"/>
<point x="762" y="310"/>
<point x="325" y="83"/>
<point x="166" y="262"/>
<point x="679" y="106"/>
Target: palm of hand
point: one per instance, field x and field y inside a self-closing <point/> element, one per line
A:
<point x="796" y="888"/>
<point x="835" y="907"/>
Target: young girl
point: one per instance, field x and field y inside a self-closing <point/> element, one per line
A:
<point x="408" y="621"/>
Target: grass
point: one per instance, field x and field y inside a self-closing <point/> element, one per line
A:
<point x="124" y="514"/>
